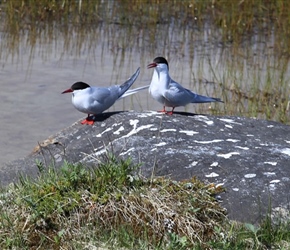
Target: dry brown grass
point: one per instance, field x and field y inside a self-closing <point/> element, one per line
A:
<point x="55" y="211"/>
<point x="162" y="207"/>
<point x="106" y="207"/>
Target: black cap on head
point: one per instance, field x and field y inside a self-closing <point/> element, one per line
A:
<point x="161" y="59"/>
<point x="79" y="85"/>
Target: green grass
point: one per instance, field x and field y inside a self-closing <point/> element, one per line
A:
<point x="111" y="207"/>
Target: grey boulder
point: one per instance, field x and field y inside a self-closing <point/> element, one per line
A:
<point x="250" y="158"/>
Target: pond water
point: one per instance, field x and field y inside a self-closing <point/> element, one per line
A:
<point x="34" y="72"/>
<point x="32" y="107"/>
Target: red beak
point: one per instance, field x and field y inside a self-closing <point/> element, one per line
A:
<point x="151" y="65"/>
<point x="67" y="91"/>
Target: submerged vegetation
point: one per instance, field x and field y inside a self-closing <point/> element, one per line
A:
<point x="109" y="206"/>
<point x="236" y="50"/>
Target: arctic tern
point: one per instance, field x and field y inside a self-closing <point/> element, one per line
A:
<point x="95" y="100"/>
<point x="170" y="93"/>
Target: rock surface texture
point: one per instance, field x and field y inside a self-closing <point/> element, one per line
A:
<point x="249" y="157"/>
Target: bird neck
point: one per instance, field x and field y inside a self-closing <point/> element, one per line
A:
<point x="161" y="77"/>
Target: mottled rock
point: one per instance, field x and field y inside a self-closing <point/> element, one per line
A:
<point x="249" y="157"/>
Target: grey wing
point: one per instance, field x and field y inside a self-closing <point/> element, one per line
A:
<point x="177" y="95"/>
<point x="185" y="96"/>
<point x="196" y="98"/>
<point x="100" y="95"/>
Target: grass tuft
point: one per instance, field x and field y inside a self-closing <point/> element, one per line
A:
<point x="109" y="206"/>
<point x="109" y="198"/>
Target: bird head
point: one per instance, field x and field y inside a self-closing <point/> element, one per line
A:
<point x="77" y="86"/>
<point x="158" y="61"/>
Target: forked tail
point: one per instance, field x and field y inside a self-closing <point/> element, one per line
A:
<point x="126" y="85"/>
<point x="134" y="91"/>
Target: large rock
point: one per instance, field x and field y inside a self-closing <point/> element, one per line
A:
<point x="249" y="157"/>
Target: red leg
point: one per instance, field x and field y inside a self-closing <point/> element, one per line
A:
<point x="170" y="112"/>
<point x="163" y="111"/>
<point x="88" y="121"/>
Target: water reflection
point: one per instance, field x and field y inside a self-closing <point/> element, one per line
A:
<point x="36" y="67"/>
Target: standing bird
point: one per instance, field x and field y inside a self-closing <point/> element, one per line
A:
<point x="170" y="93"/>
<point x="95" y="100"/>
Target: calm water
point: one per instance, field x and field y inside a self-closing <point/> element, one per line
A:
<point x="33" y="76"/>
<point x="32" y="107"/>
